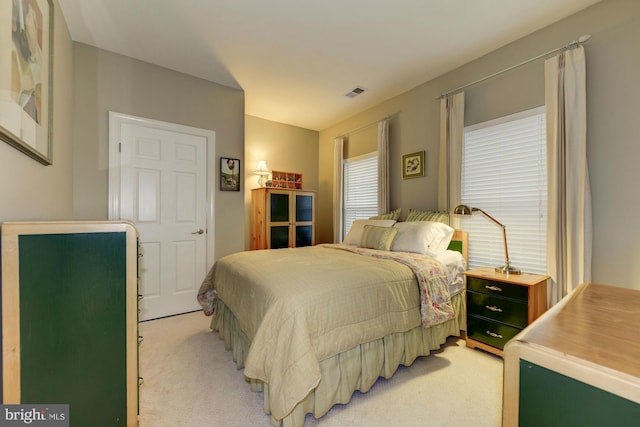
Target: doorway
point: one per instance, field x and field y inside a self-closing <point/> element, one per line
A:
<point x="160" y="177"/>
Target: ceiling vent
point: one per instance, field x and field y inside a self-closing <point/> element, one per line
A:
<point x="355" y="92"/>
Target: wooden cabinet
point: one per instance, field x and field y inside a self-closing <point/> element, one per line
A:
<point x="69" y="319"/>
<point x="500" y="305"/>
<point x="578" y="364"/>
<point x="282" y="218"/>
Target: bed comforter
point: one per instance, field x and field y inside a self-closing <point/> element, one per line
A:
<point x="301" y="306"/>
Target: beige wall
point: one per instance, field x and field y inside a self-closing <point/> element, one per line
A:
<point x="28" y="189"/>
<point x="284" y="148"/>
<point x="104" y="81"/>
<point x="89" y="82"/>
<point x="613" y="97"/>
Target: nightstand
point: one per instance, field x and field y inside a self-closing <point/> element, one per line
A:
<point x="501" y="305"/>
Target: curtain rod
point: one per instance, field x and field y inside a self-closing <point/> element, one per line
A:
<point x="581" y="40"/>
<point x="387" y="117"/>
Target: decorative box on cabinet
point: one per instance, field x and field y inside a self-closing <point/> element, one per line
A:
<point x="281" y="179"/>
<point x="578" y="364"/>
<point x="282" y="218"/>
<point x="69" y="319"/>
<point x="500" y="305"/>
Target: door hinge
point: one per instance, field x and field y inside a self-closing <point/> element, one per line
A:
<point x="119" y="147"/>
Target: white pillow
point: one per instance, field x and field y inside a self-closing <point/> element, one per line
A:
<point x="354" y="236"/>
<point x="423" y="237"/>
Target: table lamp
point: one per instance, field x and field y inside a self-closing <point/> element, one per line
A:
<point x="507" y="268"/>
<point x="263" y="171"/>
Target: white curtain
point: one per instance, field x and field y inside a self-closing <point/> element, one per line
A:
<point x="383" y="166"/>
<point x="450" y="161"/>
<point x="338" y="158"/>
<point x="569" y="207"/>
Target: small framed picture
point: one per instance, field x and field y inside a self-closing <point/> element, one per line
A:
<point x="229" y="174"/>
<point x="413" y="165"/>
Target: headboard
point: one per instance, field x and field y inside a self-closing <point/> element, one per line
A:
<point x="460" y="243"/>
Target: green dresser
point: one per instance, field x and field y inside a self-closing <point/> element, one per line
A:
<point x="499" y="306"/>
<point x="545" y="388"/>
<point x="578" y="364"/>
<point x="69" y="319"/>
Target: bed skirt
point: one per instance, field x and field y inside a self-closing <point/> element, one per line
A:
<point x="355" y="369"/>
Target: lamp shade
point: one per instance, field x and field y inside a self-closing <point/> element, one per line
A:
<point x="463" y="210"/>
<point x="263" y="171"/>
<point x="262" y="168"/>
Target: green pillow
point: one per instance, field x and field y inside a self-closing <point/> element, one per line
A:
<point x="380" y="238"/>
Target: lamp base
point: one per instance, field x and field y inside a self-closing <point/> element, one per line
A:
<point x="508" y="269"/>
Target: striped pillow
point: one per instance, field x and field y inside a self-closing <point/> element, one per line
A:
<point x="354" y="236"/>
<point x="394" y="214"/>
<point x="380" y="238"/>
<point x="435" y="216"/>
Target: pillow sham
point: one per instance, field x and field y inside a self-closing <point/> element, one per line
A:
<point x="436" y="216"/>
<point x="423" y="237"/>
<point x="354" y="236"/>
<point x="375" y="237"/>
<point x="394" y="214"/>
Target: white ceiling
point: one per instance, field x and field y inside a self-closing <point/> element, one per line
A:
<point x="296" y="59"/>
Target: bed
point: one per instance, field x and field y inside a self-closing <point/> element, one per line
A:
<point x="312" y="325"/>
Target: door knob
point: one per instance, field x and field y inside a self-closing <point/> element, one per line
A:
<point x="200" y="231"/>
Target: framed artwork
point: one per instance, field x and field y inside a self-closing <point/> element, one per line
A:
<point x="413" y="165"/>
<point x="229" y="174"/>
<point x="26" y="96"/>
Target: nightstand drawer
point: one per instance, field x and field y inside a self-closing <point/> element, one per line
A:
<point x="492" y="287"/>
<point x="489" y="332"/>
<point x="503" y="310"/>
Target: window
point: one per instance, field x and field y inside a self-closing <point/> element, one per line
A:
<point x="360" y="189"/>
<point x="504" y="173"/>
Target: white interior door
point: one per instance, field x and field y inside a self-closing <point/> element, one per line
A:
<point x="163" y="191"/>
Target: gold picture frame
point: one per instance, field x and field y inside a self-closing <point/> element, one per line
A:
<point x="413" y="165"/>
<point x="26" y="95"/>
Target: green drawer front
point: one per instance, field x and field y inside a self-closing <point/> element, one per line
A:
<point x="568" y="402"/>
<point x="492" y="333"/>
<point x="73" y="325"/>
<point x="503" y="310"/>
<point x="507" y="290"/>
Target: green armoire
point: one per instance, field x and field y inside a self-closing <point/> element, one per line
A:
<point x="70" y="319"/>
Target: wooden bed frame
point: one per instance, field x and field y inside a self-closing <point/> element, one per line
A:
<point x="460" y="243"/>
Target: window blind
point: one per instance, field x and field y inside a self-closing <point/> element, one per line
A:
<point x="504" y="173"/>
<point x="360" y="189"/>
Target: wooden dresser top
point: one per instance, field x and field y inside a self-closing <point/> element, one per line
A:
<point x="524" y="279"/>
<point x="596" y="323"/>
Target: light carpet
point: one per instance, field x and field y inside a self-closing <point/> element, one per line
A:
<point x="190" y="380"/>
